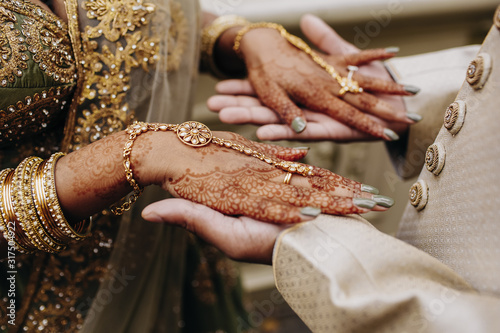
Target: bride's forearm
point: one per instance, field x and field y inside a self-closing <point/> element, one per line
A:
<point x="91" y="179"/>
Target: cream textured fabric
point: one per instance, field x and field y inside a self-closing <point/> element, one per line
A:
<point x="340" y="274"/>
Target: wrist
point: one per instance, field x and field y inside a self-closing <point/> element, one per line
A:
<point x="216" y="46"/>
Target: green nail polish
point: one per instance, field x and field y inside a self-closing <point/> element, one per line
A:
<point x="310" y="211"/>
<point x="392" y="49"/>
<point x="369" y="189"/>
<point x="391" y="134"/>
<point x="411" y="89"/>
<point x="383" y="201"/>
<point x="298" y="125"/>
<point x="364" y="203"/>
<point x="414" y="116"/>
<point x="302" y="148"/>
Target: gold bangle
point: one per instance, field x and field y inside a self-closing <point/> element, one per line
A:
<point x="22" y="203"/>
<point x="25" y="209"/>
<point x="347" y="84"/>
<point x="21" y="241"/>
<point x="6" y="217"/>
<point x="53" y="211"/>
<point x="194" y="134"/>
<point x="211" y="34"/>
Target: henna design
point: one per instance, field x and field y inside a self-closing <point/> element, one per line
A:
<point x="324" y="180"/>
<point x="250" y="191"/>
<point x="103" y="160"/>
<point x="282" y="89"/>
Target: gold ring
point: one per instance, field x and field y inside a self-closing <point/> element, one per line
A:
<point x="347" y="84"/>
<point x="287" y="179"/>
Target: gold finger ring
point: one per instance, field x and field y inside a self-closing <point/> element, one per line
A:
<point x="347" y="84"/>
<point x="287" y="179"/>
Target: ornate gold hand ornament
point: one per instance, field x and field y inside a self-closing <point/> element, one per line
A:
<point x="194" y="134"/>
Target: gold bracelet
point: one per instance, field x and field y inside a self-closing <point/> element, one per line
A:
<point x="22" y="203"/>
<point x="21" y="241"/>
<point x="211" y="34"/>
<point x="6" y="217"/>
<point x="25" y="208"/>
<point x="53" y="211"/>
<point x="347" y="84"/>
<point x="194" y="134"/>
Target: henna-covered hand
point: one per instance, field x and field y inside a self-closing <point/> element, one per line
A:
<point x="287" y="81"/>
<point x="236" y="184"/>
<point x="225" y="179"/>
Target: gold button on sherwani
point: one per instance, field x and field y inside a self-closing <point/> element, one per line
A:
<point x="479" y="70"/>
<point x="435" y="158"/>
<point x="454" y="116"/>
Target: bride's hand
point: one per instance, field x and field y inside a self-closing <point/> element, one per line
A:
<point x="227" y="180"/>
<point x="234" y="183"/>
<point x="287" y="81"/>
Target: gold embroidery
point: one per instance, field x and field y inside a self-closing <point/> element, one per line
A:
<point x="177" y="37"/>
<point x="98" y="122"/>
<point x="106" y="69"/>
<point x="50" y="50"/>
<point x="116" y="17"/>
<point x="12" y="58"/>
<point x="45" y="37"/>
<point x="33" y="115"/>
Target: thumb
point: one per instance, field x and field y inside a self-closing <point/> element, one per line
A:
<point x="324" y="37"/>
<point x="183" y="213"/>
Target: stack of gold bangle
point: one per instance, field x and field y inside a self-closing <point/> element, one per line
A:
<point x="211" y="34"/>
<point x="29" y="205"/>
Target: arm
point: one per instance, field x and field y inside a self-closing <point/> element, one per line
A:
<point x="308" y="84"/>
<point x="341" y="274"/>
<point x="439" y="75"/>
<point x="235" y="177"/>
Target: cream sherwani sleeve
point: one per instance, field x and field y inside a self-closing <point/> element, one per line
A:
<point x="342" y="275"/>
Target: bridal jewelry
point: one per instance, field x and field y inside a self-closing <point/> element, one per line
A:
<point x="347" y="84"/>
<point x="287" y="179"/>
<point x="195" y="134"/>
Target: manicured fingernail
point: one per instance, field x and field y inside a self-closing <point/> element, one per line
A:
<point x="369" y="189"/>
<point x="383" y="201"/>
<point x="411" y="89"/>
<point x="310" y="211"/>
<point x="392" y="49"/>
<point x="298" y="124"/>
<point x="414" y="116"/>
<point x="391" y="134"/>
<point x="364" y="203"/>
<point x="302" y="148"/>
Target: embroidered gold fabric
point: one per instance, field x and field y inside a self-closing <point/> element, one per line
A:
<point x="67" y="292"/>
<point x="107" y="65"/>
<point x="35" y="50"/>
<point x="34" y="114"/>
